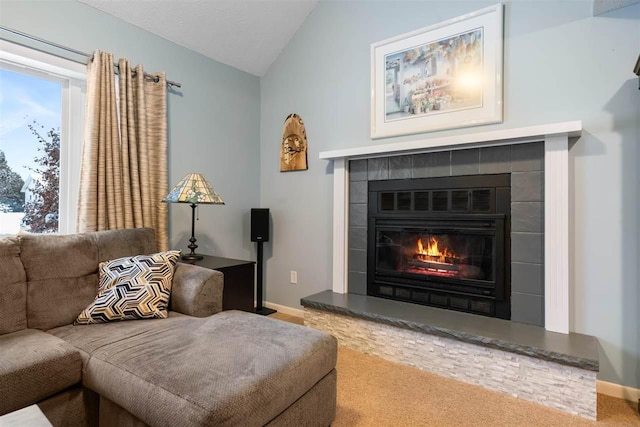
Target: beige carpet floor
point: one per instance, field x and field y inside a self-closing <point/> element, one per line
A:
<point x="376" y="392"/>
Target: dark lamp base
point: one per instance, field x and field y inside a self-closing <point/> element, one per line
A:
<point x="192" y="257"/>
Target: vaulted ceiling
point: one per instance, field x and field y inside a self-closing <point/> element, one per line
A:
<point x="245" y="34"/>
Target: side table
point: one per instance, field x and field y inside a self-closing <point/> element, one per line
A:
<point x="238" y="280"/>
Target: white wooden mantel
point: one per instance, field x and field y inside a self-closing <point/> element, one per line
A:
<point x="557" y="189"/>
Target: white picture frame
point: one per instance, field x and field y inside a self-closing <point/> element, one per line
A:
<point x="444" y="76"/>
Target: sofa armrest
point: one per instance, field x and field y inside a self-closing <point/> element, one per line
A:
<point x="196" y="291"/>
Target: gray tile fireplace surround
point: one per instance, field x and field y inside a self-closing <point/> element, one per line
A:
<point x="525" y="162"/>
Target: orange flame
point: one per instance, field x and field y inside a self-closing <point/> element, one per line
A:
<point x="433" y="252"/>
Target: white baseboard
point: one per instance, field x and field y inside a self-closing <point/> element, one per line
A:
<point x="617" y="390"/>
<point x="285" y="310"/>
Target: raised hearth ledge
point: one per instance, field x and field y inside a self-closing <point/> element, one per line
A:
<point x="557" y="194"/>
<point x="572" y="349"/>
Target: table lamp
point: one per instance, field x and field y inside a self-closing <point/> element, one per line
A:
<point x="196" y="190"/>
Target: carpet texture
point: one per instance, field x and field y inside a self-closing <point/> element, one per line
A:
<point x="375" y="392"/>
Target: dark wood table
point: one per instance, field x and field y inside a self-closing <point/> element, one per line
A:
<point x="239" y="276"/>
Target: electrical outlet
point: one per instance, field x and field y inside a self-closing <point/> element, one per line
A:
<point x="294" y="277"/>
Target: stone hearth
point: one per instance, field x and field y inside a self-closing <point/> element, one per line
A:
<point x="523" y="361"/>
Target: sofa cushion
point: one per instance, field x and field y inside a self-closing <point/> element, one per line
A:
<point x="134" y="287"/>
<point x="114" y="244"/>
<point x="62" y="270"/>
<point x="229" y="369"/>
<point x="56" y="256"/>
<point x="13" y="287"/>
<point x="88" y="339"/>
<point x="62" y="277"/>
<point x="35" y="365"/>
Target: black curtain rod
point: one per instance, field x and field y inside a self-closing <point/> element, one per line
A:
<point x="75" y="52"/>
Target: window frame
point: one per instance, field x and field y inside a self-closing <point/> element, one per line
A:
<point x="72" y="77"/>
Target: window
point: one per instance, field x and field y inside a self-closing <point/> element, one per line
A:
<point x="41" y="119"/>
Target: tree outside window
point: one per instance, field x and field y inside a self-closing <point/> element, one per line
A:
<point x="41" y="210"/>
<point x="30" y="118"/>
<point x="11" y="198"/>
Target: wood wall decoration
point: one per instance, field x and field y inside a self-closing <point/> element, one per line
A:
<point x="293" y="146"/>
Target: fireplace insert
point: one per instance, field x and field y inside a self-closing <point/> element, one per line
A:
<point x="442" y="242"/>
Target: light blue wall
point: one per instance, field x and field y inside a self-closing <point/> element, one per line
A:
<point x="560" y="64"/>
<point x="214" y="120"/>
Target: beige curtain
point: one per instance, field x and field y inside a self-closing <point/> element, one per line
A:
<point x="124" y="158"/>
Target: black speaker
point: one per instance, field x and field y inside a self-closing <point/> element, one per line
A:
<point x="259" y="225"/>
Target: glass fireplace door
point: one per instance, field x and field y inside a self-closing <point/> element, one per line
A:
<point x="438" y="253"/>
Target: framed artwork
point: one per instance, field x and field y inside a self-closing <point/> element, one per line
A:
<point x="444" y="76"/>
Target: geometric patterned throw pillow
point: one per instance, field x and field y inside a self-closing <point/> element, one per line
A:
<point x="131" y="288"/>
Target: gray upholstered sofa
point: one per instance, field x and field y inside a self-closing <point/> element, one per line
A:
<point x="200" y="366"/>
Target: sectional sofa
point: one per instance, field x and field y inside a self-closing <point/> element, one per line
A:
<point x="199" y="367"/>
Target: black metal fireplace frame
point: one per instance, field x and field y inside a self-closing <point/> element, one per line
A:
<point x="490" y="217"/>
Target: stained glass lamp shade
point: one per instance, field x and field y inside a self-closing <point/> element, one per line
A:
<point x="195" y="190"/>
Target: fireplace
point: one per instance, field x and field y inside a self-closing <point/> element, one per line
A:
<point x="442" y="242"/>
<point x="539" y="160"/>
